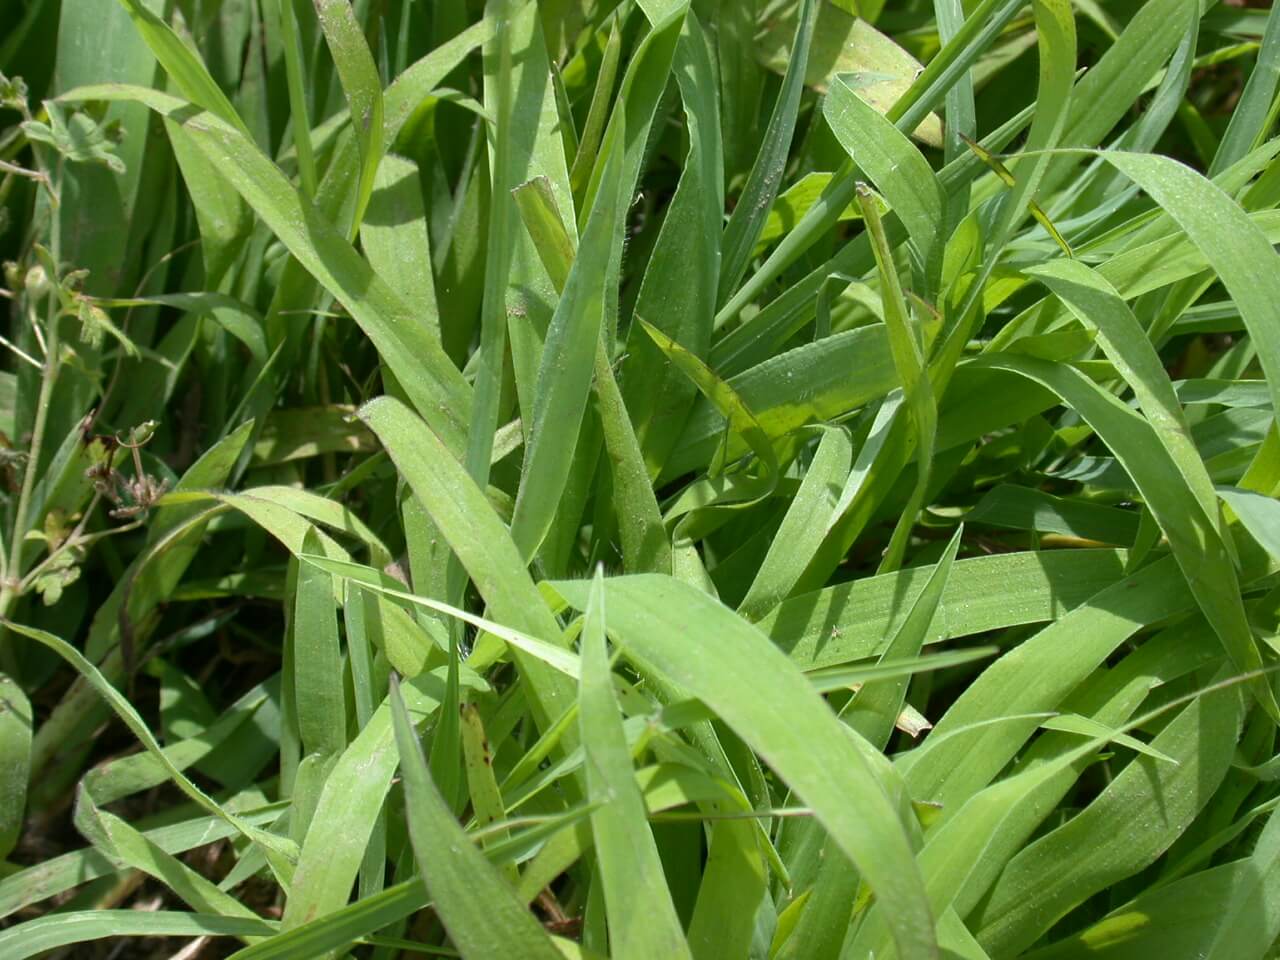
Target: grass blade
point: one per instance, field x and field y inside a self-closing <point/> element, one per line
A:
<point x="875" y="708"/>
<point x="907" y="346"/>
<point x="642" y="919"/>
<point x="183" y="64"/>
<point x="1014" y="916"/>
<point x="482" y="914"/>
<point x="1098" y="305"/>
<point x="1200" y="552"/>
<point x="757" y="692"/>
<point x="678" y="291"/>
<point x="898" y="170"/>
<point x="1255" y="109"/>
<point x="564" y="375"/>
<point x="363" y="89"/>
<point x="803" y="528"/>
<point x="478" y="537"/>
<point x="64" y="929"/>
<point x="317" y="660"/>
<point x="1240" y="254"/>
<point x="752" y="209"/>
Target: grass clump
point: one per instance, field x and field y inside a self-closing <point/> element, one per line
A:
<point x="649" y="479"/>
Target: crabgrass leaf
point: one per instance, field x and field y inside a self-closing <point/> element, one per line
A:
<point x="754" y="689"/>
<point x="477" y="536"/>
<point x="1097" y="304"/>
<point x="183" y="64"/>
<point x="317" y="660"/>
<point x="678" y="291"/>
<point x="278" y="846"/>
<point x="564" y="375"/>
<point x="43" y="934"/>
<point x="363" y="89"/>
<point x="803" y="527"/>
<point x="894" y="165"/>
<point x="1259" y="514"/>
<point x="643" y="921"/>
<point x="478" y="909"/>
<point x="1014" y="916"/>
<point x="761" y="187"/>
<point x="1239" y="253"/>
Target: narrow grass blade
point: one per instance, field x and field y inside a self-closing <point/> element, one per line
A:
<point x="481" y="912"/>
<point x="562" y="660"/>
<point x="224" y="218"/>
<point x="183" y="64"/>
<point x="317" y="660"/>
<point x="906" y="345"/>
<point x="757" y="692"/>
<point x="898" y="170"/>
<point x="363" y="89"/>
<point x="757" y="197"/>
<point x="733" y="879"/>
<point x="279" y="17"/>
<point x="339" y="930"/>
<point x="477" y="536"/>
<point x="872" y="712"/>
<point x="235" y="316"/>
<point x="1097" y="304"/>
<point x="536" y="201"/>
<point x="678" y="291"/>
<point x="47" y="933"/>
<point x="393" y="235"/>
<point x="643" y="85"/>
<point x="1085" y="727"/>
<point x="645" y="545"/>
<point x="1056" y="42"/>
<point x="126" y="776"/>
<point x="1259" y="514"/>
<point x="60" y="874"/>
<point x="726" y="400"/>
<point x="525" y="143"/>
<point x="642" y="919"/>
<point x="1021" y="508"/>
<point x="279" y="519"/>
<point x="1255" y="110"/>
<point x="564" y="375"/>
<point x="597" y="113"/>
<point x="854" y="620"/>
<point x="875" y="708"/>
<point x="804" y="526"/>
<point x="121" y="841"/>
<point x="348" y="808"/>
<point x="1188" y="915"/>
<point x="1035" y="677"/>
<point x="486" y="799"/>
<point x="1240" y="254"/>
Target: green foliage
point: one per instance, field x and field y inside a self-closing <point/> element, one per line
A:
<point x="658" y="478"/>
